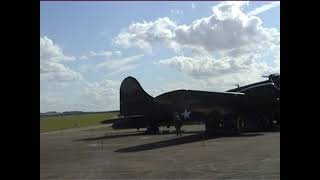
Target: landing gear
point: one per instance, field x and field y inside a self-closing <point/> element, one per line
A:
<point x="240" y="124"/>
<point x="265" y="122"/>
<point x="231" y="124"/>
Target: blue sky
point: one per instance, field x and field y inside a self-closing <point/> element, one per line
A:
<point x="87" y="48"/>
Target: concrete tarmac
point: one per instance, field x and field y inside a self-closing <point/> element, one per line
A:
<point x="103" y="153"/>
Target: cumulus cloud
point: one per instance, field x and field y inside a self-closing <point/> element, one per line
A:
<point x="143" y="35"/>
<point x="227" y="30"/>
<point x="51" y="62"/>
<point x="221" y="74"/>
<point x="230" y="46"/>
<point x="50" y="51"/>
<point x="57" y="72"/>
<point x="199" y="67"/>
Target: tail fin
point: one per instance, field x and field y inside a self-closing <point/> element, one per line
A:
<point x="133" y="99"/>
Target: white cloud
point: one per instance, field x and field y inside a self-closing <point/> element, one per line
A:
<point x="198" y="66"/>
<point x="101" y="53"/>
<point x="101" y="89"/>
<point x="204" y="67"/>
<point x="125" y="68"/>
<point x="227" y="30"/>
<point x="83" y="57"/>
<point x="103" y="95"/>
<point x="277" y="60"/>
<point x="51" y="59"/>
<point x="264" y="8"/>
<point x="57" y="72"/>
<point x="143" y="35"/>
<point x="229" y="81"/>
<point x="229" y="10"/>
<point x="81" y="95"/>
<point x="221" y="74"/>
<point x="120" y="65"/>
<point x="50" y="51"/>
<point x="230" y="45"/>
<point x="105" y="54"/>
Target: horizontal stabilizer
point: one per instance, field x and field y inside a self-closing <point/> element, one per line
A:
<point x="108" y="121"/>
<point x="120" y="119"/>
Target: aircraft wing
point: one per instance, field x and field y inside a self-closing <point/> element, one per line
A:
<point x="109" y="121"/>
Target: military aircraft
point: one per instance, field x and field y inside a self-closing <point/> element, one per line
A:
<point x="245" y="108"/>
<point x="262" y="113"/>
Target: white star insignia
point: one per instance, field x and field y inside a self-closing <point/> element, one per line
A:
<point x="186" y="114"/>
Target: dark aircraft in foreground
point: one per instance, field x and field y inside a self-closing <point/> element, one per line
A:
<point x="247" y="108"/>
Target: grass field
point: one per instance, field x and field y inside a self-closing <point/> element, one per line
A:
<point x="53" y="123"/>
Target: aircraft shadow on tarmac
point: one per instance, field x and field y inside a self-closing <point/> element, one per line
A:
<point x="130" y="134"/>
<point x="177" y="141"/>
